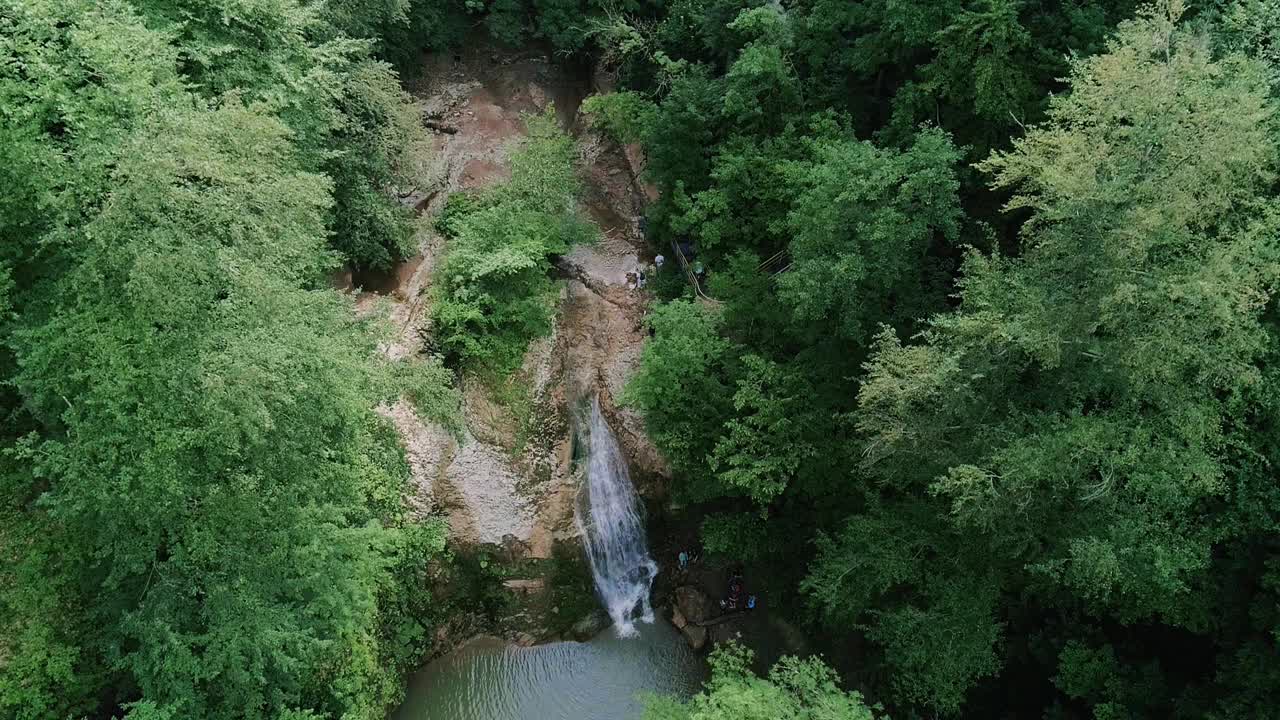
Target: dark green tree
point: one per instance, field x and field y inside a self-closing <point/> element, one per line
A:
<point x="1077" y="421"/>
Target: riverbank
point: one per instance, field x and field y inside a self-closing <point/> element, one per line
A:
<point x="690" y="596"/>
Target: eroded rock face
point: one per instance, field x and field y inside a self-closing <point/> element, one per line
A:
<point x="509" y="482"/>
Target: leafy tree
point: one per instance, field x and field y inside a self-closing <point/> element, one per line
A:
<point x="1075" y="416"/>
<point x="862" y="224"/>
<point x="382" y="150"/>
<point x="682" y="386"/>
<point x="352" y="119"/>
<point x="493" y="291"/>
<point x="977" y="68"/>
<point x="765" y="444"/>
<point x="203" y="509"/>
<point x="794" y="690"/>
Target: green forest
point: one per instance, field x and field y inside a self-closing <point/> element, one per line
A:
<point x="986" y="378"/>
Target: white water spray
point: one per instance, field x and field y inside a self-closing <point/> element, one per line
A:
<point x="608" y="517"/>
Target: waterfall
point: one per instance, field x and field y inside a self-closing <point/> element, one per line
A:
<point x="608" y="517"/>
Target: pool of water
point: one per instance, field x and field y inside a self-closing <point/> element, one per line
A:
<point x="487" y="679"/>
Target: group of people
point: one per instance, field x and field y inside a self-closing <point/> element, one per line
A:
<point x="690" y="254"/>
<point x="737" y="599"/>
<point x="636" y="279"/>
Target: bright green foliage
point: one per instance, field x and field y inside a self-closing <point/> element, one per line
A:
<point x="766" y="442"/>
<point x="367" y="18"/>
<point x="760" y="87"/>
<point x="202" y="510"/>
<point x="99" y="76"/>
<point x="861" y="227"/>
<point x="896" y="573"/>
<point x="624" y="115"/>
<point x="494" y="293"/>
<point x="352" y="119"/>
<point x="1251" y="27"/>
<point x="682" y="385"/>
<point x="1179" y="258"/>
<point x="794" y="690"/>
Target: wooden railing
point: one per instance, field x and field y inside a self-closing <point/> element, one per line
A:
<point x="776" y="264"/>
<point x="691" y="275"/>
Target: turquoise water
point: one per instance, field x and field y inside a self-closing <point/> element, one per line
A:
<point x="488" y="679"/>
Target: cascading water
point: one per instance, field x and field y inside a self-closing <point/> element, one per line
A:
<point x="608" y="517"/>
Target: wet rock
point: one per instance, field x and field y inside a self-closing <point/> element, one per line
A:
<point x="590" y="626"/>
<point x="692" y="606"/>
<point x="695" y="636"/>
<point x="692" y="603"/>
<point x="678" y="619"/>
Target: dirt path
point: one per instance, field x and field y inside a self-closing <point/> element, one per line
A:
<point x="511" y="476"/>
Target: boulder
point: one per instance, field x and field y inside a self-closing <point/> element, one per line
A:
<point x="691" y="606"/>
<point x="692" y="603"/>
<point x="678" y="618"/>
<point x="590" y="626"/>
<point x="695" y="636"/>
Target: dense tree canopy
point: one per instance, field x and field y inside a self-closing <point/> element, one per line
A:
<point x="201" y="510"/>
<point x="983" y="375"/>
<point x="1034" y="447"/>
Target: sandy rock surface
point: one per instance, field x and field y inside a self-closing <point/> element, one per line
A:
<point x="509" y="479"/>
